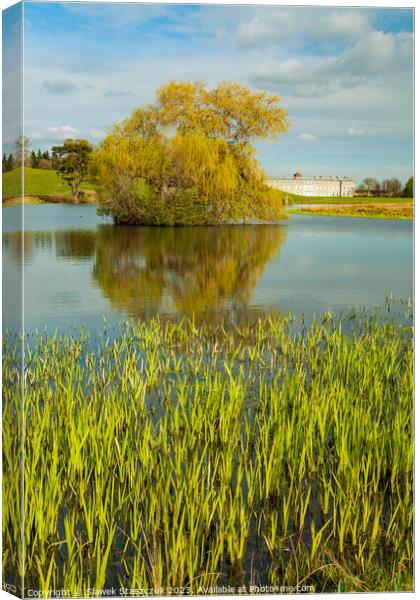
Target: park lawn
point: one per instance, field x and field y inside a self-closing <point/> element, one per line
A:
<point x="38" y="182"/>
<point x="403" y="208"/>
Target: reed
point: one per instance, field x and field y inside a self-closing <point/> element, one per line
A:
<point x="177" y="457"/>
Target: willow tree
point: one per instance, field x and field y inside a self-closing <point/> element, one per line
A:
<point x="189" y="158"/>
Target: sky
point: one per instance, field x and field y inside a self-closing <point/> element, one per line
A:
<point x="345" y="76"/>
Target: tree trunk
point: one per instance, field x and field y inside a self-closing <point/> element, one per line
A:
<point x="76" y="192"/>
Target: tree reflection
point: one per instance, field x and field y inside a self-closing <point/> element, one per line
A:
<point x="210" y="272"/>
<point x="74" y="243"/>
<point x="70" y="243"/>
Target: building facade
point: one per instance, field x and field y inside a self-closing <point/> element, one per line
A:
<point x="314" y="186"/>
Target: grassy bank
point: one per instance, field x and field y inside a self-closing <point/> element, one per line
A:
<point x="43" y="184"/>
<point x="294" y="199"/>
<point x="385" y="210"/>
<point x="178" y="457"/>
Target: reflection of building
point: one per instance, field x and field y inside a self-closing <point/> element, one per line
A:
<point x="314" y="186"/>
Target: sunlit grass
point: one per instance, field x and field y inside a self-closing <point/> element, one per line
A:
<point x="383" y="210"/>
<point x="344" y="200"/>
<point x="38" y="182"/>
<point x="184" y="456"/>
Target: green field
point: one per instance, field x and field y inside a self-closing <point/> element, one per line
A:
<point x="37" y="182"/>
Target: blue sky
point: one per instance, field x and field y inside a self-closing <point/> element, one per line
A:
<point x="344" y="75"/>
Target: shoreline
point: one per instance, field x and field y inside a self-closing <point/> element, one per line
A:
<point x="386" y="210"/>
<point x="46" y="199"/>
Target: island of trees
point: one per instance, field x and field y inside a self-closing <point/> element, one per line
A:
<point x="188" y="159"/>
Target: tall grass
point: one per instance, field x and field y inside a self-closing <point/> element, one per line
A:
<point x="178" y="457"/>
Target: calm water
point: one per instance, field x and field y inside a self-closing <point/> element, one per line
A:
<point x="79" y="268"/>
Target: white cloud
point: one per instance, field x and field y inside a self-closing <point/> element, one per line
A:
<point x="302" y="26"/>
<point x="373" y="55"/>
<point x="377" y="57"/>
<point x="54" y="133"/>
<point x="342" y="25"/>
<point x="261" y="30"/>
<point x="307" y="137"/>
<point x="355" y="131"/>
<point x="58" y="134"/>
<point x="96" y="134"/>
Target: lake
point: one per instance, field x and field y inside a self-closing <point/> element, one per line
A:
<point x="80" y="269"/>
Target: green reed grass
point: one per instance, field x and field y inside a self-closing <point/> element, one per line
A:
<point x="179" y="457"/>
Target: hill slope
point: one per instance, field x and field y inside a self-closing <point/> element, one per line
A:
<point x="37" y="182"/>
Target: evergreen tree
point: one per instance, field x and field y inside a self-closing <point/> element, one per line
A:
<point x="409" y="188"/>
<point x="7" y="163"/>
<point x="34" y="162"/>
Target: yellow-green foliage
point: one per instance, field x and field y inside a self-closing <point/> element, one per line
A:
<point x="188" y="160"/>
<point x="230" y="111"/>
<point x="178" y="455"/>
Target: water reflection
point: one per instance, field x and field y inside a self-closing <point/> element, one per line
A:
<point x="79" y="270"/>
<point x="75" y="244"/>
<point x="210" y="272"/>
<point x="67" y="244"/>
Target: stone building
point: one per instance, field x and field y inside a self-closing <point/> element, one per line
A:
<point x="314" y="186"/>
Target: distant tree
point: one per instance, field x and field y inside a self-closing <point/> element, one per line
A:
<point x="395" y="187"/>
<point x="371" y="185"/>
<point x="34" y="160"/>
<point x="72" y="163"/>
<point x="46" y="155"/>
<point x="361" y="190"/>
<point x="408" y="191"/>
<point x="45" y="164"/>
<point x="21" y="155"/>
<point x="7" y="163"/>
<point x="392" y="187"/>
